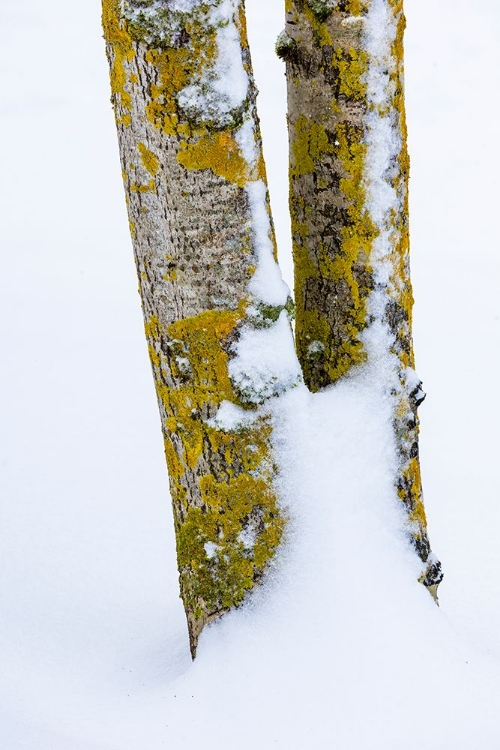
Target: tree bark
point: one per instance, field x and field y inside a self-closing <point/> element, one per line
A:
<point x="349" y="209"/>
<point x="195" y="184"/>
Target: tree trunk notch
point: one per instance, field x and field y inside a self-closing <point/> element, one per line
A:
<point x="349" y="209"/>
<point x="195" y="184"/>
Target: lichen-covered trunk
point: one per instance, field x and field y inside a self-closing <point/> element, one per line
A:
<point x="211" y="292"/>
<point x="349" y="210"/>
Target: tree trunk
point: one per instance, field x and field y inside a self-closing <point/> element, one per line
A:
<point x="211" y="291"/>
<point x="349" y="210"/>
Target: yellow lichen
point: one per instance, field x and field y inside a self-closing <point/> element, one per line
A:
<point x="357" y="7"/>
<point x="149" y="159"/>
<point x="120" y="51"/>
<point x="336" y="356"/>
<point x="411" y="475"/>
<point x="236" y="494"/>
<point x="221" y="579"/>
<point x="174" y="68"/>
<point x="350" y="66"/>
<point x="321" y="31"/>
<point x="332" y="141"/>
<point x="221" y="480"/>
<point x="149" y="187"/>
<point x="309" y="145"/>
<point x="217" y="151"/>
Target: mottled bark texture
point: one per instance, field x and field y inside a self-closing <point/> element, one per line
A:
<point x="349" y="211"/>
<point x="332" y="233"/>
<point x="189" y="151"/>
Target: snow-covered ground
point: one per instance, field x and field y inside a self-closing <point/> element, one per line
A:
<point x="342" y="648"/>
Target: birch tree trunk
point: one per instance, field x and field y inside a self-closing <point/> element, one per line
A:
<point x="349" y="209"/>
<point x="212" y="295"/>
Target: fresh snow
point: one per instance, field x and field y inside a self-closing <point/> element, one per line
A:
<point x="341" y="648"/>
<point x="384" y="145"/>
<point x="264" y="364"/>
<point x="231" y="417"/>
<point x="266" y="284"/>
<point x="223" y="88"/>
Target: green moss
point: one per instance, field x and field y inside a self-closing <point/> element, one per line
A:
<point x="321" y="8"/>
<point x="317" y="353"/>
<point x="285" y="47"/>
<point x="264" y="316"/>
<point x="316" y="13"/>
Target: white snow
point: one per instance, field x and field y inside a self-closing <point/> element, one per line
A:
<point x="231" y="77"/>
<point x="247" y="537"/>
<point x="219" y="91"/>
<point x="382" y="136"/>
<point x="223" y="87"/>
<point x="245" y="138"/>
<point x="266" y="284"/>
<point x="134" y="11"/>
<point x="211" y="549"/>
<point x="384" y="143"/>
<point x="265" y="364"/>
<point x="231" y="417"/>
<point x="342" y="648"/>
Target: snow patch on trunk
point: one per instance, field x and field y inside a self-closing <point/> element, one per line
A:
<point x="383" y="139"/>
<point x="221" y="91"/>
<point x="383" y="202"/>
<point x="267" y="284"/>
<point x="265" y="364"/>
